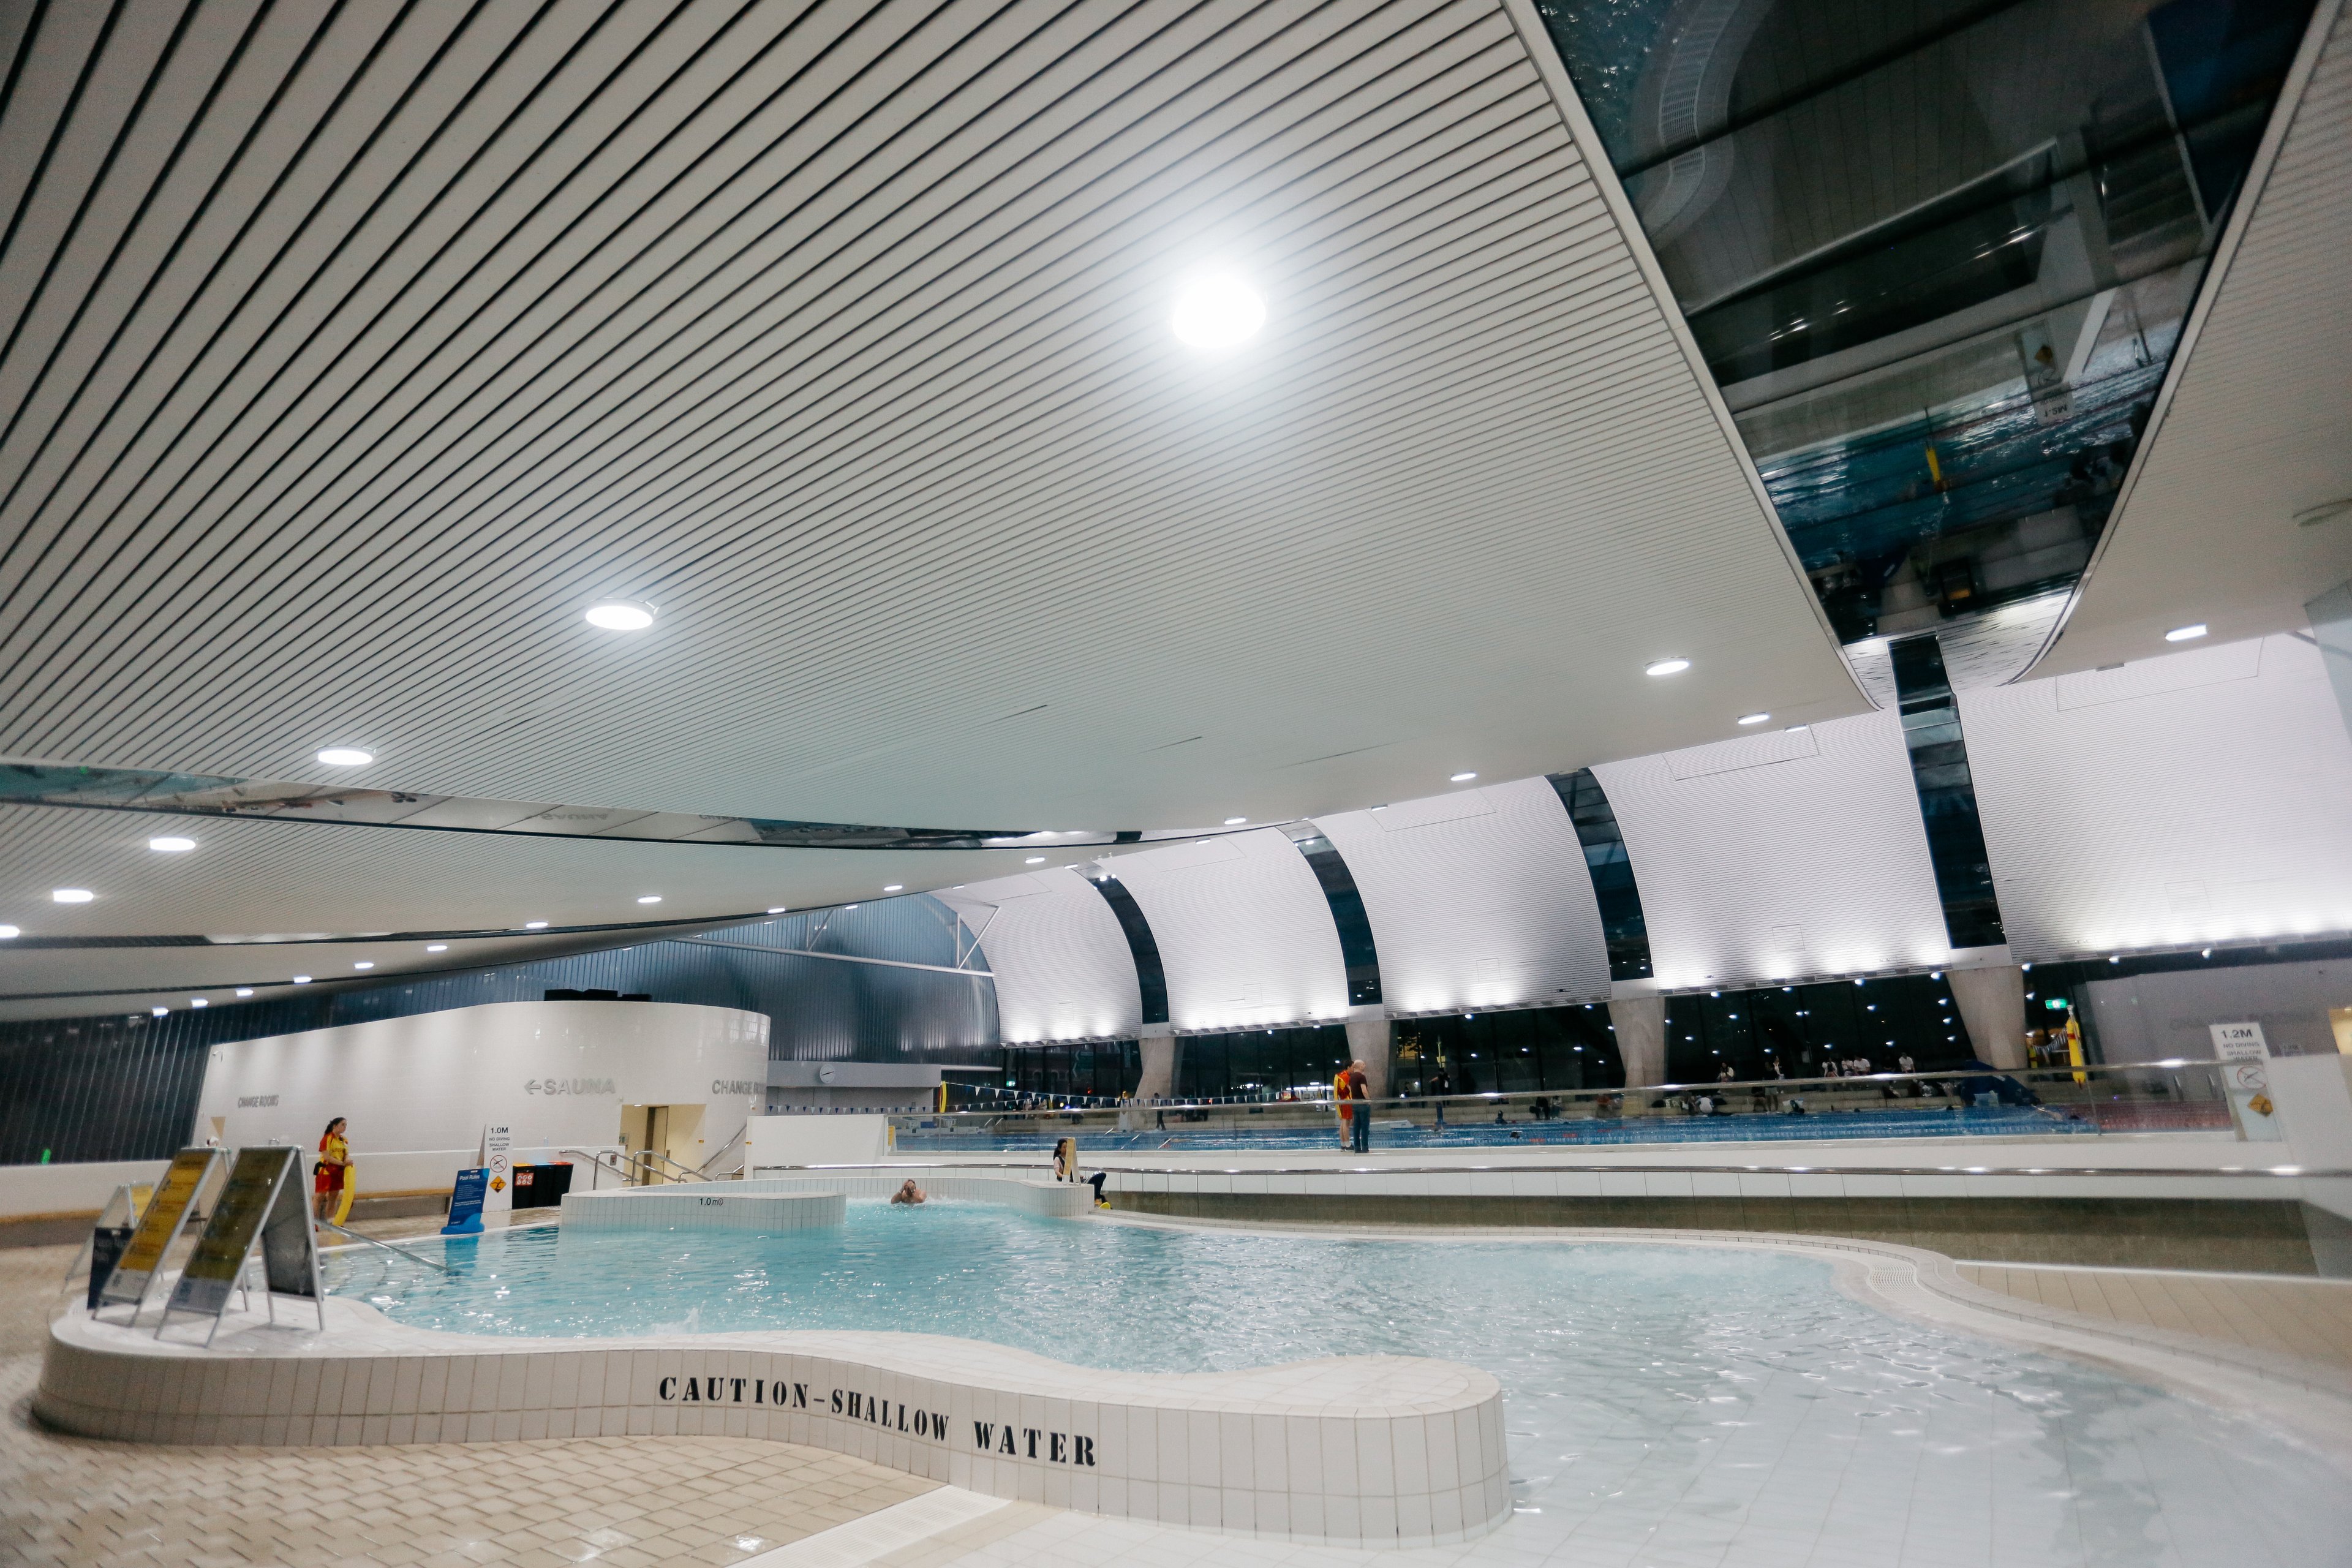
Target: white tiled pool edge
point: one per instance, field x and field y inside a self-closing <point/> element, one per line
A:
<point x="1362" y="1451"/>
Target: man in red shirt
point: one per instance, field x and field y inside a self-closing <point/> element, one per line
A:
<point x="1354" y="1087"/>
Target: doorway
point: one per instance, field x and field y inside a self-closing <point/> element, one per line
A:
<point x="672" y="1132"/>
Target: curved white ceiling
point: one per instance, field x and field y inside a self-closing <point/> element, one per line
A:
<point x="1478" y="899"/>
<point x="1062" y="966"/>
<point x="1781" y="854"/>
<point x="351" y="350"/>
<point x="2201" y="797"/>
<point x="1244" y="933"/>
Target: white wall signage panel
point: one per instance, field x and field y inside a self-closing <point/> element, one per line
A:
<point x="1766" y="863"/>
<point x="1478" y="899"/>
<point x="2206" y="796"/>
<point x="419" y="1090"/>
<point x="1062" y="966"/>
<point x="1246" y="940"/>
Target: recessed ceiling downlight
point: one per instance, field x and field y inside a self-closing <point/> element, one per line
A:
<point x="649" y="898"/>
<point x="534" y="925"/>
<point x="1216" y="313"/>
<point x="2186" y="634"/>
<point x="621" y="614"/>
<point x="170" y="845"/>
<point x="1756" y="718"/>
<point x="346" y="757"/>
<point x="896" y="887"/>
<point x="437" y="947"/>
<point x="71" y="895"/>
<point x="1666" y="667"/>
<point x="9" y="933"/>
<point x="1460" y="778"/>
<point x="1236" y="821"/>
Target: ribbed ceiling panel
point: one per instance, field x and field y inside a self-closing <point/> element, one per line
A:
<point x="351" y="350"/>
<point x="2259" y="424"/>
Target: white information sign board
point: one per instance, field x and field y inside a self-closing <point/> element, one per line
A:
<point x="497" y="1158"/>
<point x="2238" y="1043"/>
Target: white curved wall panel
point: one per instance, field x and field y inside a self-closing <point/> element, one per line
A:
<point x="1062" y="966"/>
<point x="1478" y="899"/>
<point x="1778" y="855"/>
<point x="1244" y="934"/>
<point x="2195" y="796"/>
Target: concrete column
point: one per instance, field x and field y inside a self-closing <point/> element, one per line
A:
<point x="1641" y="1025"/>
<point x="1160" y="1046"/>
<point x="1992" y="1004"/>
<point x="1372" y="1038"/>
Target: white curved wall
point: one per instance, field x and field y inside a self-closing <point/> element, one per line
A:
<point x="1062" y="966"/>
<point x="2197" y="796"/>
<point x="1478" y="899"/>
<point x="1243" y="929"/>
<point x="418" y="1090"/>
<point x="1782" y="854"/>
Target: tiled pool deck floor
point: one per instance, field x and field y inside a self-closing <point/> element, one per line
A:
<point x="631" y="1502"/>
<point x="644" y="1501"/>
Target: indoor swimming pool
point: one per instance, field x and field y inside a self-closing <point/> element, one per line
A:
<point x="1664" y="1403"/>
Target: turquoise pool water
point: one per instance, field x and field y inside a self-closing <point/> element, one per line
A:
<point x="1664" y="1403"/>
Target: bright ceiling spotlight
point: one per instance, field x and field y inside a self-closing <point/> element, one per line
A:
<point x="170" y="845"/>
<point x="160" y="1012"/>
<point x="649" y="898"/>
<point x="9" y="933"/>
<point x="776" y="909"/>
<point x="621" y="614"/>
<point x="1034" y="860"/>
<point x="534" y="925"/>
<point x="896" y="887"/>
<point x="1236" y="821"/>
<point x="198" y="1002"/>
<point x="346" y="757"/>
<point x="1666" y="667"/>
<point x="1216" y="313"/>
<point x="437" y="947"/>
<point x="1460" y="778"/>
<point x="244" y="990"/>
<point x="71" y="895"/>
<point x="2186" y="634"/>
<point x="301" y="980"/>
<point x="1755" y="717"/>
<point x="365" y="963"/>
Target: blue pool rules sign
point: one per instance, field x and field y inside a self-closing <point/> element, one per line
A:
<point x="465" y="1203"/>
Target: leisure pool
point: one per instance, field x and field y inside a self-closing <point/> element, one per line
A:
<point x="1664" y="1403"/>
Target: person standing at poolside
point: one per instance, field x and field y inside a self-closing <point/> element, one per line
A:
<point x="333" y="1169"/>
<point x="1356" y="1084"/>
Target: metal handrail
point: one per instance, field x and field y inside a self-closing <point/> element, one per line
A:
<point x="372" y="1241"/>
<point x="679" y="1169"/>
<point x="597" y="1160"/>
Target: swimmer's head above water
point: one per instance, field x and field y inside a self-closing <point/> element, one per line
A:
<point x="907" y="1192"/>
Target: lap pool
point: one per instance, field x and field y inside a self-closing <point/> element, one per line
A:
<point x="1665" y="1405"/>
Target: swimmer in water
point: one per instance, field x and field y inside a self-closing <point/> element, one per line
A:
<point x="908" y="1194"/>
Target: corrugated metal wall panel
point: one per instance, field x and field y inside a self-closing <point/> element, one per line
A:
<point x="1781" y="854"/>
<point x="2193" y="796"/>
<point x="1062" y="966"/>
<point x="1479" y="898"/>
<point x="1243" y="931"/>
